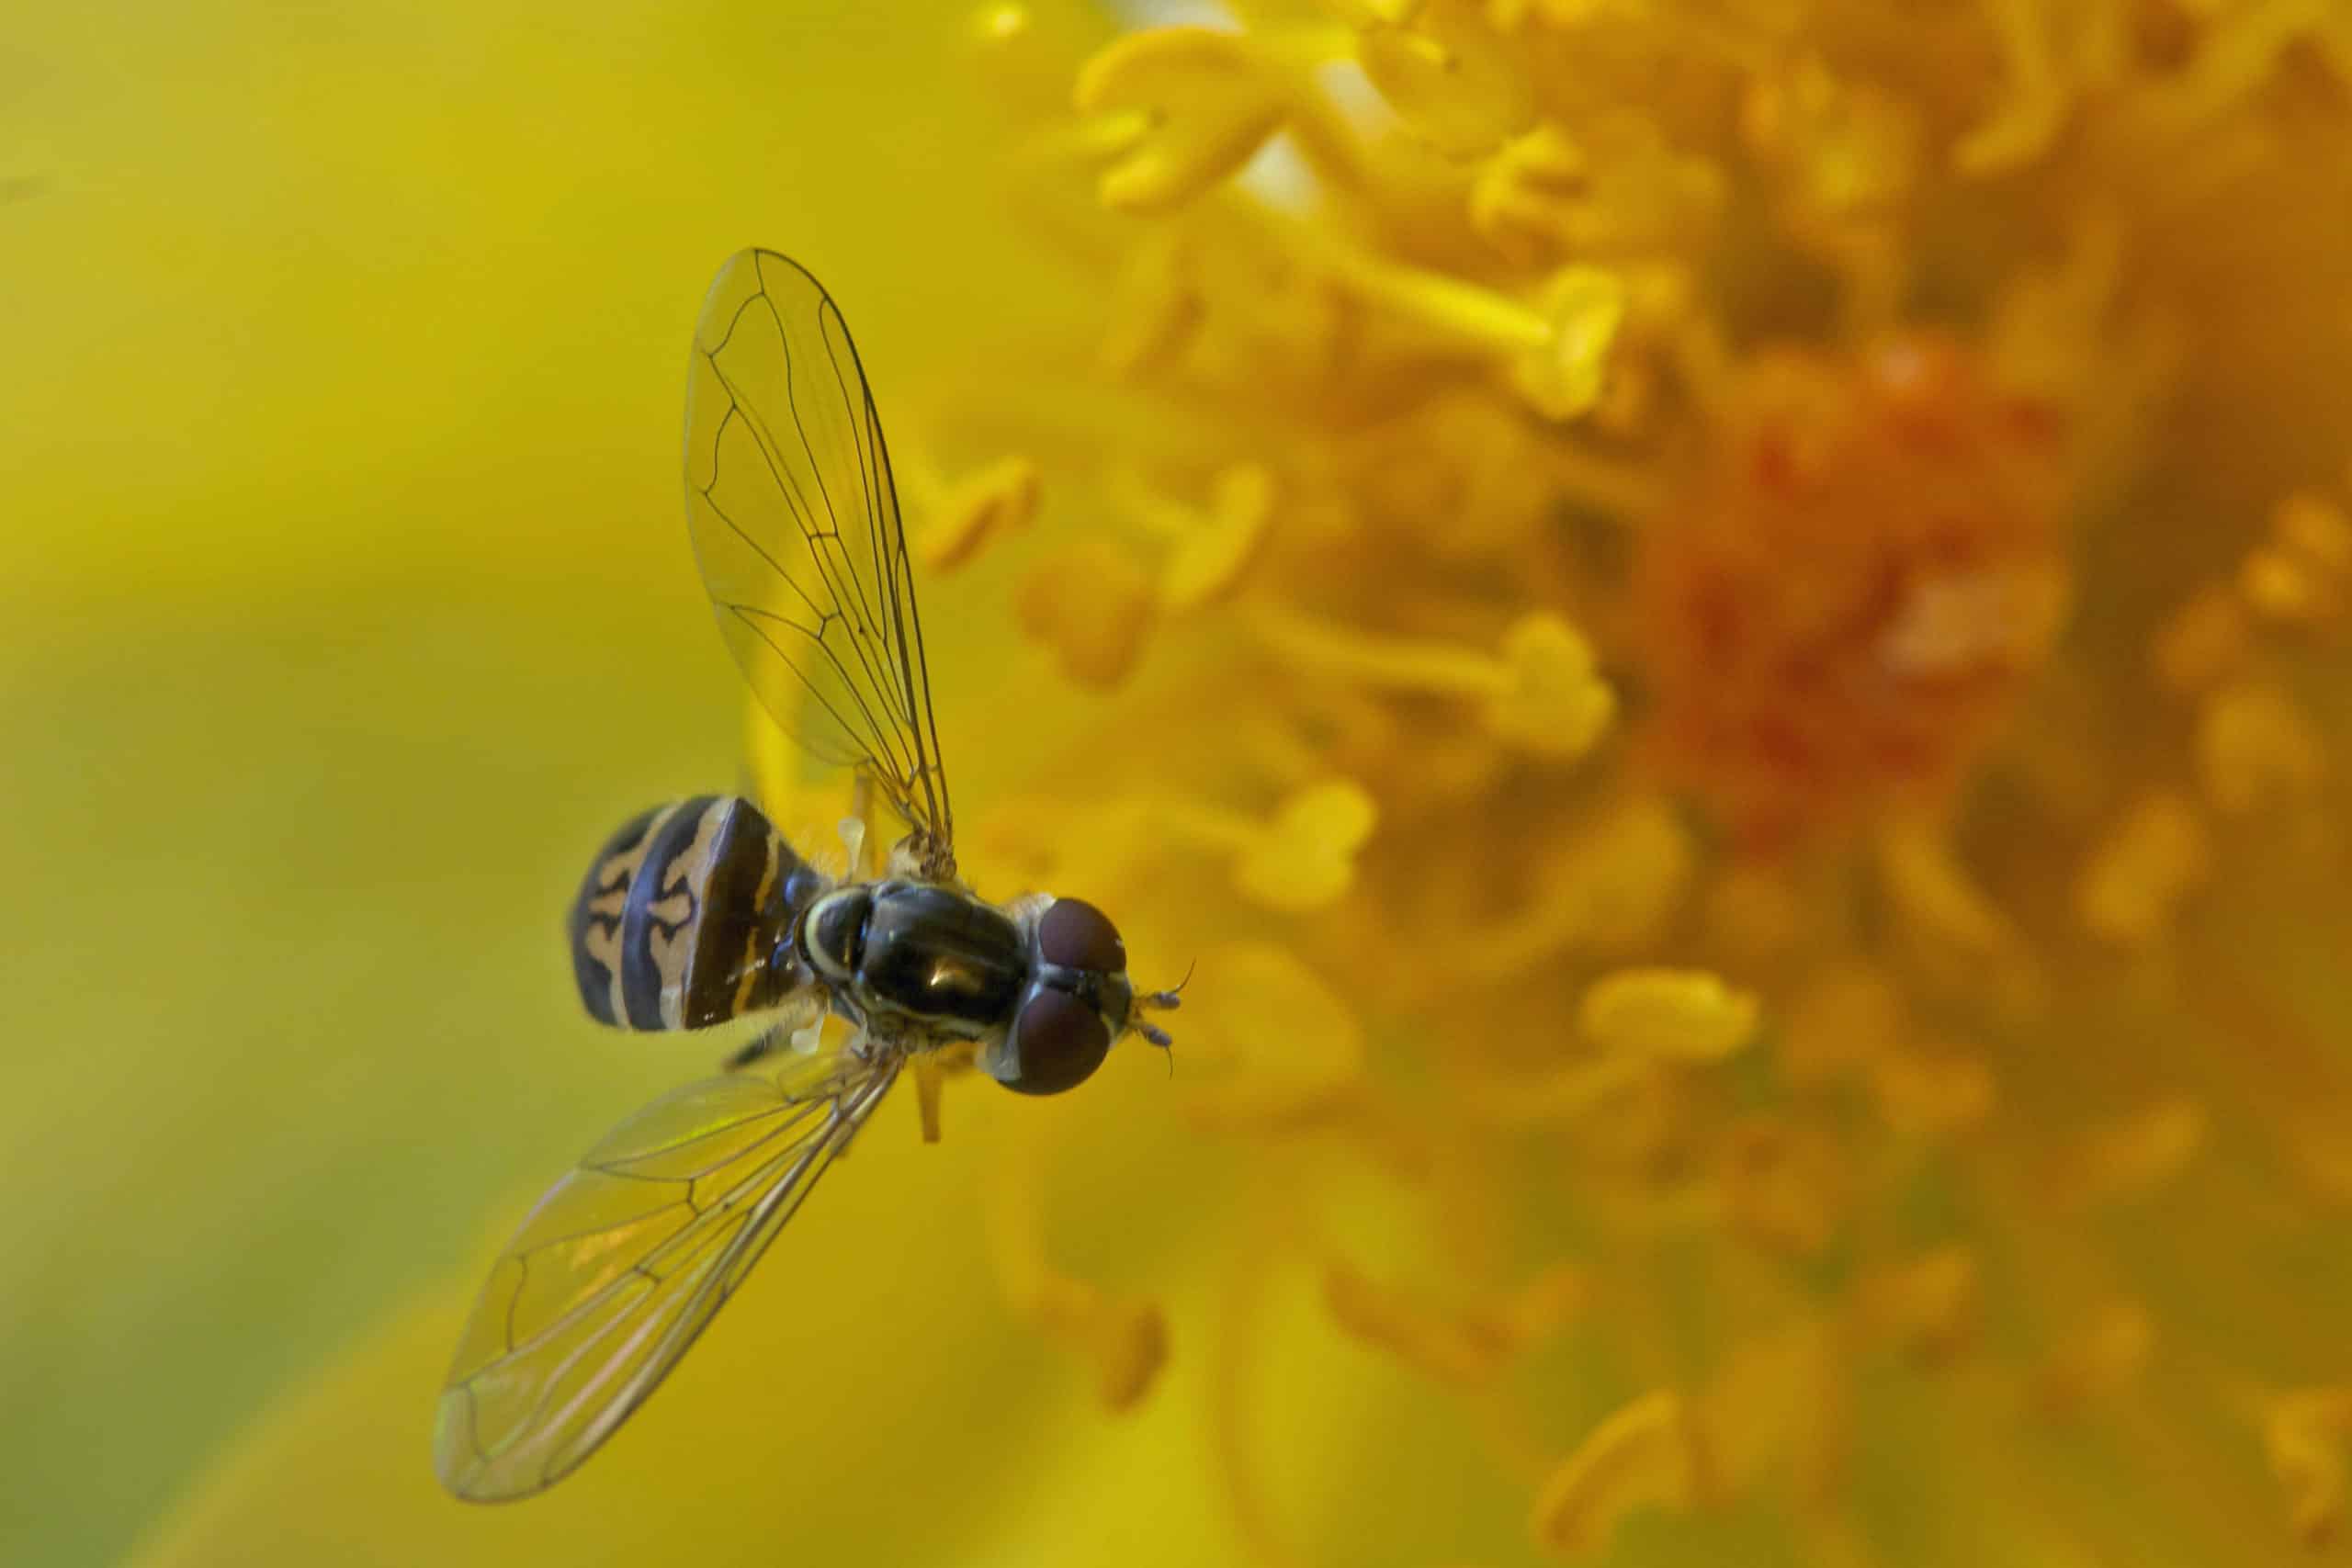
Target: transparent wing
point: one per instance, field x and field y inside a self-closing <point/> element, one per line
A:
<point x="627" y="1259"/>
<point x="796" y="522"/>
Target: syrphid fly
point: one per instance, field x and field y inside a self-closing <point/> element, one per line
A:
<point x="699" y="912"/>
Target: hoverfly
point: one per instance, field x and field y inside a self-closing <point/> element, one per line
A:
<point x="699" y="912"/>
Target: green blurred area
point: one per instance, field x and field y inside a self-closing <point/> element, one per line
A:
<point x="346" y="606"/>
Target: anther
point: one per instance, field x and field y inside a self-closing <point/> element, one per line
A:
<point x="1192" y="106"/>
<point x="1209" y="547"/>
<point x="963" y="515"/>
<point x="1303" y="859"/>
<point x="1543" y="692"/>
<point x="1556" y="346"/>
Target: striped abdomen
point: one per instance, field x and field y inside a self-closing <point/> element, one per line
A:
<point x="686" y="918"/>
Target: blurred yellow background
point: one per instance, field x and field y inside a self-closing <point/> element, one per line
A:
<point x="348" y="605"/>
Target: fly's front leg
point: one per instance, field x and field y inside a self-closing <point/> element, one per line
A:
<point x="853" y="827"/>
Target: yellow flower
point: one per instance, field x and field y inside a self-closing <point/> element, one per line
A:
<point x="1722" y="631"/>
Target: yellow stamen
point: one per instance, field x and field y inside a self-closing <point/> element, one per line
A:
<point x="1850" y="148"/>
<point x="2101" y="1360"/>
<point x="1607" y="886"/>
<point x="1543" y="693"/>
<point x="1556" y="346"/>
<point x="1124" y="1339"/>
<point x="2133" y="1154"/>
<point x="2238" y="54"/>
<point x="2148" y="862"/>
<point x="1780" y="1186"/>
<point x="1928" y="1307"/>
<point x="1777" y="1402"/>
<point x="2302" y="1436"/>
<point x="1303" y="857"/>
<point x="2255" y="745"/>
<point x="2317" y="530"/>
<point x="963" y="517"/>
<point x="2300" y="575"/>
<point x="1255" y="1078"/>
<point x="1932" y="1094"/>
<point x="2034" y="107"/>
<point x="1671" y="1015"/>
<point x="1844" y="1020"/>
<point x="1093" y="606"/>
<point x="1954" y="916"/>
<point x="1450" y="76"/>
<point x="1649" y="1454"/>
<point x="1530" y="196"/>
<point x="1464" y="1348"/>
<point x="2204" y="641"/>
<point x="1562" y="1094"/>
<point x="1548" y="194"/>
<point x="1427" y="1341"/>
<point x="1522" y="1319"/>
<point x="1211" y="548"/>
<point x="1195" y="105"/>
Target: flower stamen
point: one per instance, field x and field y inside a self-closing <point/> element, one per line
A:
<point x="1543" y="693"/>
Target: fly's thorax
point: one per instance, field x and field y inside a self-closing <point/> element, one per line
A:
<point x="831" y="933"/>
<point x="935" y="959"/>
<point x="1041" y="986"/>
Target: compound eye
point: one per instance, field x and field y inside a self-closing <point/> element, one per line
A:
<point x="1057" y="1042"/>
<point x="1077" y="935"/>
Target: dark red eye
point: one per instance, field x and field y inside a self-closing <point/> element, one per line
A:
<point x="1077" y="935"/>
<point x="1057" y="1042"/>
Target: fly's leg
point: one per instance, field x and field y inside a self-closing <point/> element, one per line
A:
<point x="788" y="1032"/>
<point x="928" y="1078"/>
<point x="762" y="1045"/>
<point x="853" y="827"/>
<point x="1168" y="1001"/>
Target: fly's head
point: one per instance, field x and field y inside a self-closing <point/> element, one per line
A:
<point x="1078" y="1001"/>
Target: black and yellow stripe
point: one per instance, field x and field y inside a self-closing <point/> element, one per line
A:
<point x="683" y="917"/>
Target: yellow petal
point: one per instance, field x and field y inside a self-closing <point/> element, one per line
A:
<point x="1583" y="307"/>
